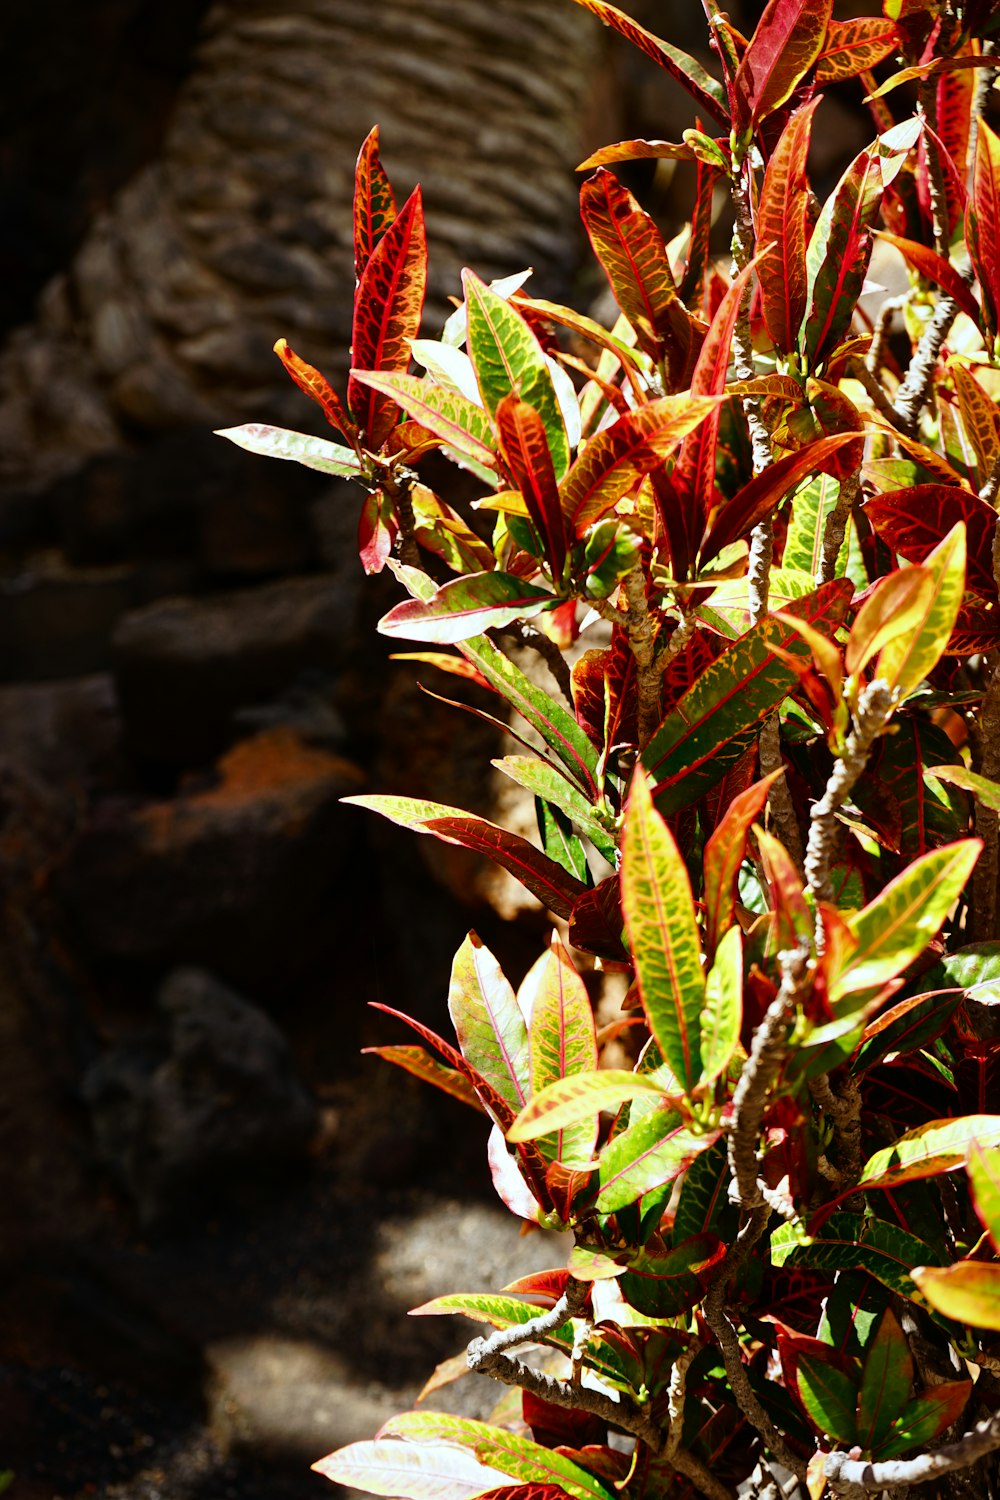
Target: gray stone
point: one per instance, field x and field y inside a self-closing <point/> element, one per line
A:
<point x="223" y="1098"/>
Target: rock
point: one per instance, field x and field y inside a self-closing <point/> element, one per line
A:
<point x="224" y="1100"/>
<point x="183" y="667"/>
<point x="254" y="875"/>
<point x="66" y="731"/>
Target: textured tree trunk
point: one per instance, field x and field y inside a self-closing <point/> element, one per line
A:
<point x="240" y="231"/>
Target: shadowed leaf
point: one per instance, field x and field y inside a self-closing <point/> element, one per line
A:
<point x="708" y="94"/>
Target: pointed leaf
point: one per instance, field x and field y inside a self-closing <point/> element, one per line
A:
<point x="968" y="1292"/>
<point x="488" y="1022"/>
<point x="856" y="46"/>
<point x="458" y="422"/>
<point x="895" y="606"/>
<point x="318" y="389"/>
<point x="616" y="457"/>
<point x="507" y="359"/>
<point x="935" y="269"/>
<point x="723" y="1015"/>
<point x="906" y="662"/>
<point x="418" y="1061"/>
<point x="987" y="792"/>
<point x="513" y="1455"/>
<point x="980" y="418"/>
<point x="708" y="94"/>
<point x="927" y="1416"/>
<point x="563" y="1045"/>
<point x="838" y="255"/>
<point x="983" y="1167"/>
<point x="723" y="856"/>
<point x="786" y="42"/>
<point x="883" y="1250"/>
<point x="663" y="933"/>
<point x="465" y="607"/>
<point x="911" y="1024"/>
<point x="538" y="874"/>
<point x="525" y="447"/>
<point x="653" y="1151"/>
<point x="300" y="447"/>
<point x="665" y="1286"/>
<point x="829" y="1397"/>
<point x="938" y="1146"/>
<point x="693" y="747"/>
<point x="389" y="1467"/>
<point x="982" y="226"/>
<point x="781" y="230"/>
<point x="374" y="203"/>
<point x="494" y="1308"/>
<point x="572" y="1099"/>
<point x="704" y="1198"/>
<point x="912" y="521"/>
<point x="387" y="311"/>
<point x="632" y="252"/>
<point x="885" y="1382"/>
<point x="811" y="506"/>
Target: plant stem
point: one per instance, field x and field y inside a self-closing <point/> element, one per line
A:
<point x="397" y="491"/>
<point x="912" y="394"/>
<point x="886" y="313"/>
<point x="836" y="526"/>
<point x="642" y="630"/>
<point x="852" y="1477"/>
<point x="873" y="711"/>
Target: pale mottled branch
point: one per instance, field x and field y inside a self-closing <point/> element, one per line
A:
<point x="853" y="1477"/>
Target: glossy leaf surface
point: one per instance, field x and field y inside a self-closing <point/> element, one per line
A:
<point x="563" y="1045"/>
<point x="786" y="42"/>
<point x="390" y="1467"/>
<point x="781" y="231"/>
<point x="968" y="1292"/>
<point x="517" y="1457"/>
<point x="938" y="1146"/>
<point x="465" y="607"/>
<point x="457" y="421"/>
<point x="374" y="202"/>
<point x="300" y="447"/>
<point x="707" y="92"/>
<point x="572" y="1099"/>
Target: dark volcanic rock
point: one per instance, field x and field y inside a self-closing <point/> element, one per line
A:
<point x="252" y="875"/>
<point x="183" y="667"/>
<point x="224" y="1099"/>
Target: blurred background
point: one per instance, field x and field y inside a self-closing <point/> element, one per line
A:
<point x="215" y="1211"/>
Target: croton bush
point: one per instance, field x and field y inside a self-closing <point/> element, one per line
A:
<point x="750" y="534"/>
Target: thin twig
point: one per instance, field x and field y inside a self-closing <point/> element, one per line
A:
<point x="890" y="307"/>
<point x="861" y="372"/>
<point x="912" y="394"/>
<point x="850" y="1477"/>
<point x="553" y="658"/>
<point x="836" y="526"/>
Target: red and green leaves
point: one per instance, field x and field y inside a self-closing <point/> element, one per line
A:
<point x="563" y="1045"/>
<point x="838" y="255"/>
<point x="525" y="448"/>
<point x="631" y="249"/>
<point x="663" y="934"/>
<point x="387" y="312"/>
<point x="781" y="232"/>
<point x="788" y="39"/>
<point x="374" y="203"/>
<point x="982" y="224"/>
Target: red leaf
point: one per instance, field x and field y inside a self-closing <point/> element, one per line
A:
<point x="702" y="213"/>
<point x="553" y="886"/>
<point x="913" y="521"/>
<point x="374" y="203"/>
<point x="604" y="693"/>
<point x="781" y="232"/>
<point x="318" y="389"/>
<point x="788" y="39"/>
<point x="852" y="47"/>
<point x="703" y="88"/>
<point x="766" y="491"/>
<point x="982" y="225"/>
<point x="377" y="530"/>
<point x="387" y="309"/>
<point x="723" y="856"/>
<point x="838" y="255"/>
<point x="631" y="249"/>
<point x="936" y="269"/>
<point x="526" y="453"/>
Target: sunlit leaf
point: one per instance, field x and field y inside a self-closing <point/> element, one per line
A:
<point x="855" y="46"/>
<point x="563" y="1045"/>
<point x="374" y="202"/>
<point x="934" y="268"/>
<point x="525" y="447"/>
<point x="387" y="311"/>
<point x="465" y="607"/>
<point x="885" y="1382"/>
<point x="912" y="521"/>
<point x="786" y="42"/>
<point x="649" y="1153"/>
<point x="300" y="447"/>
<point x="937" y="1146"/>
<point x="418" y="1061"/>
<point x="905" y="662"/>
<point x="569" y="1100"/>
<point x="517" y="1457"/>
<point x="838" y="255"/>
<point x="896" y="605"/>
<point x="663" y="933"/>
<point x="458" y="422"/>
<point x="983" y="1167"/>
<point x="723" y="1014"/>
<point x="829" y="1397"/>
<point x="883" y="1250"/>
<point x="926" y="1417"/>
<point x="781" y="230"/>
<point x="968" y="1292"/>
<point x="390" y="1467"/>
<point x="318" y="389"/>
<point x="723" y="856"/>
<point x="488" y="1022"/>
<point x="982" y="224"/>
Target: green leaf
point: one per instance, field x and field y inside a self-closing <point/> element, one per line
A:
<point x="488" y="1022"/>
<point x="465" y="607"/>
<point x="390" y="1467"/>
<point x="459" y="423"/>
<point x="652" y="1152"/>
<point x="926" y="1417"/>
<point x="279" y="442"/>
<point x="883" y="1250"/>
<point x="560" y="842"/>
<point x="885" y="1382"/>
<point x="937" y="1146"/>
<point x="829" y="1397"/>
<point x="968" y="1292"/>
<point x="665" y="1286"/>
<point x="508" y="358"/>
<point x="571" y="1099"/>
<point x="983" y="1168"/>
<point x="496" y="1309"/>
<point x="563" y="1045"/>
<point x="517" y="1457"/>
<point x="704" y="1199"/>
<point x="897" y="926"/>
<point x="906" y="661"/>
<point x="693" y="747"/>
<point x="807" y="525"/>
<point x="985" y="791"/>
<point x="663" y="934"/>
<point x="723" y="1014"/>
